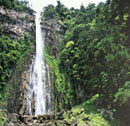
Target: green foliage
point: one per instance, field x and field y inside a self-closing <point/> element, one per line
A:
<point x="86" y="113"/>
<point x="12" y="54"/>
<point x="95" y="54"/>
<point x="16" y="4"/>
<point x="98" y="59"/>
<point x="4" y="96"/>
<point x="3" y="118"/>
<point x="60" y="11"/>
<point x="123" y="94"/>
<point x="50" y="11"/>
<point x="98" y="120"/>
<point x="63" y="97"/>
<point x="7" y="3"/>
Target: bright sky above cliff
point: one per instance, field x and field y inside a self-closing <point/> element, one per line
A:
<point x="39" y="4"/>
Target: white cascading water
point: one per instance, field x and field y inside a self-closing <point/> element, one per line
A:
<point x="38" y="94"/>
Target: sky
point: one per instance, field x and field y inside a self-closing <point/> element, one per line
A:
<point x="38" y="5"/>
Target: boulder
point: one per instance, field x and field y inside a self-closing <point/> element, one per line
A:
<point x="11" y="124"/>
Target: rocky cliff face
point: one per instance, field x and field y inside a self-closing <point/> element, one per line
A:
<point x="20" y="81"/>
<point x="14" y="25"/>
<point x="53" y="35"/>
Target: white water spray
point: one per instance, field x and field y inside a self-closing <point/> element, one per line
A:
<point x="38" y="95"/>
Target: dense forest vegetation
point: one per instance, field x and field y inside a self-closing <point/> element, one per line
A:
<point x="94" y="58"/>
<point x="90" y="66"/>
<point x="16" y="5"/>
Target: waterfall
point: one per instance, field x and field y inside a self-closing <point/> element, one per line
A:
<point x="38" y="94"/>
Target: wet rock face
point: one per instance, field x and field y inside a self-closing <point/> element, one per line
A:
<point x="53" y="35"/>
<point x="23" y="88"/>
<point x="15" y="24"/>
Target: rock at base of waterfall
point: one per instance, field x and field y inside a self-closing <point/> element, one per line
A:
<point x="10" y="124"/>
